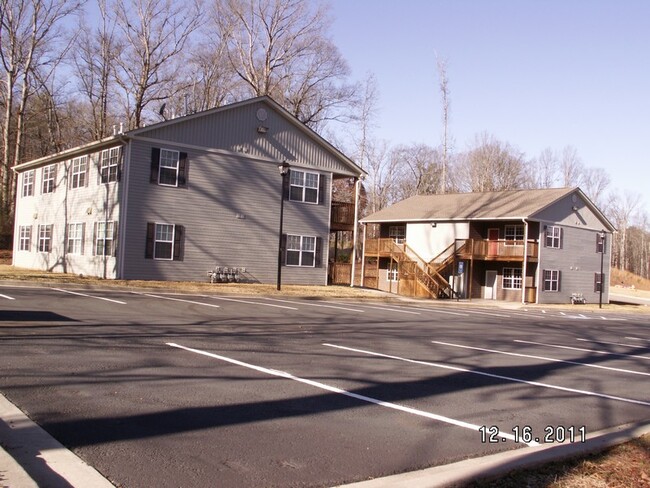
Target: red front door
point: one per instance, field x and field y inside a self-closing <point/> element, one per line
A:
<point x="493" y="245"/>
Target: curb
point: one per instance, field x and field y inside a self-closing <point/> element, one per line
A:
<point x="497" y="465"/>
<point x="30" y="457"/>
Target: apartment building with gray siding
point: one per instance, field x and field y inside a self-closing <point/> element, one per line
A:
<point x="186" y="196"/>
<point x="531" y="246"/>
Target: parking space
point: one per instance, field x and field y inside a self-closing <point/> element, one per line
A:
<point x="278" y="391"/>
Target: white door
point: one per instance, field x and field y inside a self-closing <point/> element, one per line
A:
<point x="490" y="285"/>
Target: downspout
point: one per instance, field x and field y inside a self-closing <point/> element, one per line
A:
<point x="525" y="266"/>
<point x="121" y="238"/>
<point x="355" y="231"/>
<point x="363" y="255"/>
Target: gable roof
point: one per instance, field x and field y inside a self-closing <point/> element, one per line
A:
<point x="316" y="138"/>
<point x="346" y="162"/>
<point x="497" y="205"/>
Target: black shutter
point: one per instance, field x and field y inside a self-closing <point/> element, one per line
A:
<point x="318" y="257"/>
<point x="83" y="237"/>
<point x="120" y="162"/>
<point x="183" y="169"/>
<point x="54" y="175"/>
<point x="321" y="188"/>
<point x="179" y="240"/>
<point x="283" y="250"/>
<point x="151" y="229"/>
<point x="561" y="238"/>
<point x="559" y="280"/>
<point x="155" y="165"/>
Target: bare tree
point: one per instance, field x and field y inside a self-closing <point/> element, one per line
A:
<point x="622" y="209"/>
<point x="444" y="92"/>
<point x="153" y="34"/>
<point x="490" y="165"/>
<point x="571" y="167"/>
<point x="280" y="48"/>
<point x="417" y="170"/>
<point x="595" y="182"/>
<point x="543" y="171"/>
<point x="32" y="41"/>
<point x="94" y="60"/>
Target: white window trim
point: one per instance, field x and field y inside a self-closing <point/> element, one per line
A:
<point x="515" y="241"/>
<point x="77" y="239"/>
<point x="108" y="224"/>
<point x="552" y="280"/>
<point x="300" y="252"/>
<point x="47" y="239"/>
<point x="28" y="183"/>
<point x="550" y="233"/>
<point x="398" y="237"/>
<point x="112" y="159"/>
<point x="392" y="273"/>
<point x="513" y="278"/>
<point x="177" y="168"/>
<point x="49" y="176"/>
<point x="304" y="186"/>
<point x="156" y="240"/>
<point x="25" y="238"/>
<point x="81" y="162"/>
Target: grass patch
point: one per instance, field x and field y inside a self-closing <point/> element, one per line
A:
<point x="625" y="465"/>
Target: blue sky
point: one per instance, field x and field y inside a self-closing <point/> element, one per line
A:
<point x="535" y="74"/>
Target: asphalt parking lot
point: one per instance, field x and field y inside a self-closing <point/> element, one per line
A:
<point x="187" y="390"/>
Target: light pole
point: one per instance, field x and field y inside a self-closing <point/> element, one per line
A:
<point x="601" y="236"/>
<point x="284" y="171"/>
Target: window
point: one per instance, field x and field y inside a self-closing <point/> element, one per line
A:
<point x="514" y="235"/>
<point x="28" y="183"/>
<point x="45" y="238"/>
<point x="169" y="167"/>
<point x="600" y="243"/>
<point x="25" y="233"/>
<point x="551" y="280"/>
<point x="512" y="278"/>
<point x="553" y="237"/>
<point x="397" y="233"/>
<point x="164" y="241"/>
<point x="303" y="186"/>
<point x="301" y="251"/>
<point x="104" y="238"/>
<point x="49" y="179"/>
<point x="110" y="164"/>
<point x="598" y="282"/>
<point x="75" y="239"/>
<point x="392" y="273"/>
<point x="78" y="176"/>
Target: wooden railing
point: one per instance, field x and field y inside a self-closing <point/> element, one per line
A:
<point x="496" y="249"/>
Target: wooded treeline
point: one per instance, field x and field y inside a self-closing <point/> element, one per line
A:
<point x="73" y="70"/>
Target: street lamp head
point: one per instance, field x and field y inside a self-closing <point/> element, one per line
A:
<point x="284" y="167"/>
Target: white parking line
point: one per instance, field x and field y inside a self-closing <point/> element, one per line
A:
<point x="249" y="302"/>
<point x="437" y="310"/>
<point x="496" y="376"/>
<point x="581" y="349"/>
<point x="315" y="305"/>
<point x="488" y="313"/>
<point x="613" y="344"/>
<point x="179" y="300"/>
<point x="638" y="339"/>
<point x="89" y="296"/>
<point x="543" y="358"/>
<point x="388" y="309"/>
<point x="7" y="297"/>
<point x="323" y="386"/>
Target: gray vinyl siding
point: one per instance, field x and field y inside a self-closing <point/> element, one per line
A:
<point x="230" y="211"/>
<point x="577" y="261"/>
<point x="571" y="210"/>
<point x="235" y="130"/>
